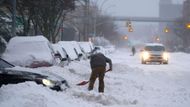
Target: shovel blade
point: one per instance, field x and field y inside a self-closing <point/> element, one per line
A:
<point x="83" y="83"/>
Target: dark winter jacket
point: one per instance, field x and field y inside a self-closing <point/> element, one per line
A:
<point x="99" y="60"/>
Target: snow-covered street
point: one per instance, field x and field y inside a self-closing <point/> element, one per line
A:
<point x="130" y="84"/>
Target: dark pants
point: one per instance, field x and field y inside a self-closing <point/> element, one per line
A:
<point x="97" y="72"/>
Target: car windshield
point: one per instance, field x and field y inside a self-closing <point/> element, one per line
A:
<point x="154" y="48"/>
<point x="5" y="64"/>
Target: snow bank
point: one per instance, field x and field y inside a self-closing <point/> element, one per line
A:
<point x="130" y="84"/>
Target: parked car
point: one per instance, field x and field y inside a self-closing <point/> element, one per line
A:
<point x="69" y="48"/>
<point x="61" y="56"/>
<point x="101" y="49"/>
<point x="9" y="74"/>
<point x="86" y="48"/>
<point x="77" y="49"/>
<point x="154" y="52"/>
<point x="29" y="51"/>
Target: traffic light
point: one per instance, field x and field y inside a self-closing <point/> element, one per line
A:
<point x="188" y="25"/>
<point x="157" y="39"/>
<point x="125" y="37"/>
<point x="130" y="29"/>
<point x="128" y="23"/>
<point x="166" y="30"/>
<point x="129" y="26"/>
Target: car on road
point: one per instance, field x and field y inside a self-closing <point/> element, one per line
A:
<point x="154" y="52"/>
<point x="9" y="74"/>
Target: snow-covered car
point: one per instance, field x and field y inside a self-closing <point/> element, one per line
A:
<point x="74" y="46"/>
<point x="61" y="55"/>
<point x="29" y="51"/>
<point x="154" y="52"/>
<point x="101" y="49"/>
<point x="69" y="48"/>
<point x="86" y="48"/>
<point x="9" y="74"/>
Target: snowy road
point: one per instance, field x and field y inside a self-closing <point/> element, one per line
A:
<point x="155" y="84"/>
<point x="130" y="84"/>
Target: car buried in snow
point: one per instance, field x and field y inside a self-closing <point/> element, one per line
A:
<point x="9" y="74"/>
<point x="154" y="52"/>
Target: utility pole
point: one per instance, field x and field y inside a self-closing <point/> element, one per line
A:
<point x="86" y="14"/>
<point x="95" y="21"/>
<point x="13" y="18"/>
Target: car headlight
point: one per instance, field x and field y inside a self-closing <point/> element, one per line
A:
<point x="165" y="56"/>
<point x="145" y="55"/>
<point x="47" y="82"/>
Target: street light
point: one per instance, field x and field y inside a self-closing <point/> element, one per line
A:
<point x="129" y="26"/>
<point x="157" y="39"/>
<point x="125" y="37"/>
<point x="130" y="29"/>
<point x="166" y="30"/>
<point x="188" y="25"/>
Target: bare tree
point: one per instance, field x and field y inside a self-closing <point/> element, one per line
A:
<point x="48" y="15"/>
<point x="45" y="15"/>
<point x="181" y="31"/>
<point x="99" y="24"/>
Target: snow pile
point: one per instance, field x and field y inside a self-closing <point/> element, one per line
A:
<point x="130" y="84"/>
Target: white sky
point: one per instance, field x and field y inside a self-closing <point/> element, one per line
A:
<point x="130" y="7"/>
<point x="149" y="8"/>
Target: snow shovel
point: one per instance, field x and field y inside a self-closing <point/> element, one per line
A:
<point x="87" y="81"/>
<point x="83" y="83"/>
